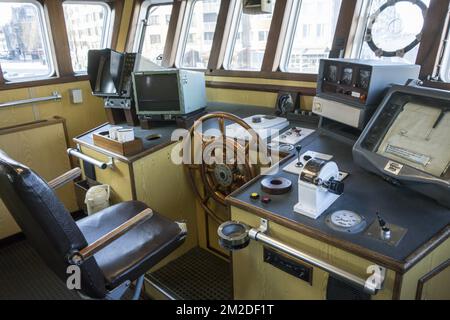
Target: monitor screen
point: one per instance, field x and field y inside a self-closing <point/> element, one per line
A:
<point x="419" y="136"/>
<point x="157" y="93"/>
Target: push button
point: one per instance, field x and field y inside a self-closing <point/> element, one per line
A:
<point x="266" y="200"/>
<point x="254" y="196"/>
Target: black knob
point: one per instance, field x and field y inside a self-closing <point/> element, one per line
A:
<point x="335" y="187"/>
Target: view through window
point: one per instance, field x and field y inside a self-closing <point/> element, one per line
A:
<point x="313" y="34"/>
<point x="200" y="34"/>
<point x="155" y="32"/>
<point x="394" y="29"/>
<point x="250" y="40"/>
<point x="87" y="28"/>
<point x="24" y="51"/>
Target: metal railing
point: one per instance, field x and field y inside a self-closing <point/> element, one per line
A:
<point x="56" y="96"/>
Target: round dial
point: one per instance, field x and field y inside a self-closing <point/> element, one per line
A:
<point x="346" y="221"/>
<point x="347" y="77"/>
<point x="364" y="79"/>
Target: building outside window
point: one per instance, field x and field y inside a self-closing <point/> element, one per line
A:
<point x="24" y="46"/>
<point x="88" y="28"/>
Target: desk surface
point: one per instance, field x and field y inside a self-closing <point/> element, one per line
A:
<point x="365" y="194"/>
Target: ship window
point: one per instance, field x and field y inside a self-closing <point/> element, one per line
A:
<point x="201" y="26"/>
<point x="313" y="24"/>
<point x="390" y="30"/>
<point x="25" y="52"/>
<point x="248" y="41"/>
<point x="155" y="31"/>
<point x="88" y="28"/>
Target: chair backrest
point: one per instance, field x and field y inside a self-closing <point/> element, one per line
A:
<point x="46" y="223"/>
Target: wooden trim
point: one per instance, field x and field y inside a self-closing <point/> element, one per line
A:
<point x="428" y="247"/>
<point x="433" y="273"/>
<point x="274" y="36"/>
<point x="437" y="85"/>
<point x="117" y="11"/>
<point x="219" y="34"/>
<point x="65" y="178"/>
<point x="30" y="125"/>
<point x="113" y="235"/>
<point x="260" y="87"/>
<point x="60" y="39"/>
<point x="171" y="41"/>
<point x="278" y="75"/>
<point x="343" y="28"/>
<point x="432" y="34"/>
<point x="133" y="24"/>
<point x="2" y="79"/>
<point x="44" y="82"/>
<point x="397" y="286"/>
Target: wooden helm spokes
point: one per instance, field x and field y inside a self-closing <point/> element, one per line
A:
<point x="218" y="165"/>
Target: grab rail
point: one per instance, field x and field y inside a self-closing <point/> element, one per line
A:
<point x="102" y="165"/>
<point x="369" y="286"/>
<point x="56" y="96"/>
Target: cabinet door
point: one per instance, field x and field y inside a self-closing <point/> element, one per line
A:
<point x="42" y="147"/>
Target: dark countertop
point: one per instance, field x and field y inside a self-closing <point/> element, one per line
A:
<point x="365" y="194"/>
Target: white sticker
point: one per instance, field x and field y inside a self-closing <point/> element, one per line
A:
<point x="409" y="155"/>
<point x="356" y="94"/>
<point x="393" y="167"/>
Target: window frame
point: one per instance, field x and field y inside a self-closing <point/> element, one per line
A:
<point x="108" y="26"/>
<point x="146" y="6"/>
<point x="232" y="37"/>
<point x="47" y="40"/>
<point x="186" y="24"/>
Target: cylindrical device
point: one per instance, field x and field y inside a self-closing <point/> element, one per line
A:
<point x="76" y="153"/>
<point x="233" y="235"/>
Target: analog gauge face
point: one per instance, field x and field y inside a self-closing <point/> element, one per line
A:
<point x="332" y="74"/>
<point x="364" y="79"/>
<point x="347" y="77"/>
<point x="346" y="219"/>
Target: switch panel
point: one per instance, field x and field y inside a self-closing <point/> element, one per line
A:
<point x="290" y="266"/>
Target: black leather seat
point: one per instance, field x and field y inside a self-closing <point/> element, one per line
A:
<point x="51" y="230"/>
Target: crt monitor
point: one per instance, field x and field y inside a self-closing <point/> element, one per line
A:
<point x="110" y="72"/>
<point x="169" y="92"/>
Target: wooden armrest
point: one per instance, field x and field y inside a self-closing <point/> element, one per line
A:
<point x="108" y="238"/>
<point x="65" y="178"/>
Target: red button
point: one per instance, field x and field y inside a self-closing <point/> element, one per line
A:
<point x="266" y="200"/>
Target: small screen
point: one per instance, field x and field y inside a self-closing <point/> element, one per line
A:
<point x="347" y="76"/>
<point x="157" y="93"/>
<point x="419" y="137"/>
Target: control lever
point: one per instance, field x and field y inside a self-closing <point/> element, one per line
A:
<point x="299" y="150"/>
<point x="385" y="230"/>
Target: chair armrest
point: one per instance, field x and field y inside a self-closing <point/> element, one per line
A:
<point x="65" y="178"/>
<point x="96" y="246"/>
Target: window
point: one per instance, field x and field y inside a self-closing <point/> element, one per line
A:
<point x="154" y="35"/>
<point x="246" y="51"/>
<point x="88" y="28"/>
<point x="24" y="45"/>
<point x="199" y="36"/>
<point x="395" y="27"/>
<point x="312" y="39"/>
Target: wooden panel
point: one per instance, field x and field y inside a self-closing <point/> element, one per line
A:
<point x="254" y="279"/>
<point x="163" y="186"/>
<point x="44" y="150"/>
<point x="118" y="177"/>
<point x="433" y="289"/>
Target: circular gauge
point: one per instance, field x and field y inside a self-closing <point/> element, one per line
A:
<point x="347" y="77"/>
<point x="364" y="79"/>
<point x="332" y="74"/>
<point x="346" y="221"/>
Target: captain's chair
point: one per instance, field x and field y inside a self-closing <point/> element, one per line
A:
<point x="112" y="248"/>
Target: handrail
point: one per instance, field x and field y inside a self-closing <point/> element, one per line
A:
<point x="367" y="286"/>
<point x="56" y="96"/>
<point x="102" y="165"/>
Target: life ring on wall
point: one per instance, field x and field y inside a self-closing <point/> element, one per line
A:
<point x="379" y="52"/>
